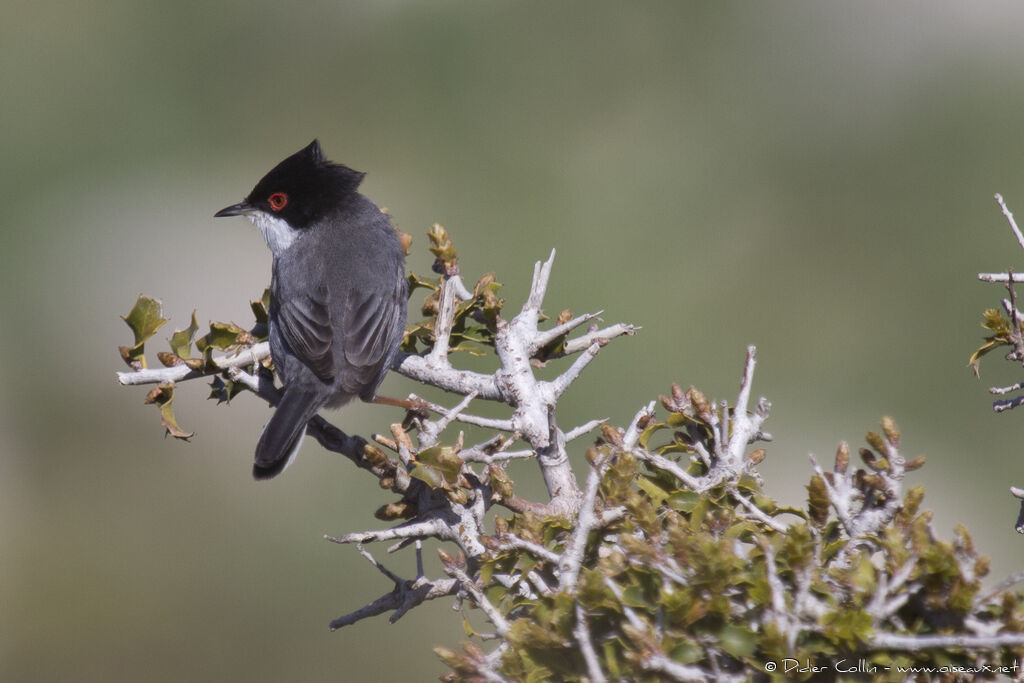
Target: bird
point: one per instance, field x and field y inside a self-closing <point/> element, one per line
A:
<point x="338" y="293"/>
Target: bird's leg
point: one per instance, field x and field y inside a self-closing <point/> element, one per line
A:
<point x="416" y="406"/>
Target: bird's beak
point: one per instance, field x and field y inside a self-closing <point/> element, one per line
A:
<point x="240" y="209"/>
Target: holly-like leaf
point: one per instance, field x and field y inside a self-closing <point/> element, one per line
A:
<point x="224" y="390"/>
<point x="145" y="319"/>
<point x="163" y="397"/>
<point x="181" y="340"/>
<point x="222" y="336"/>
<point x="261" y="308"/>
<point x="443" y="458"/>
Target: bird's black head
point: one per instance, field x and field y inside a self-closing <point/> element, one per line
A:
<point x="301" y="189"/>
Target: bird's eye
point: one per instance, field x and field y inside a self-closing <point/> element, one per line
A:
<point x="278" y="201"/>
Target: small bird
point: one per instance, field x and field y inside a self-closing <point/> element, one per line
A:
<point x="337" y="293"/>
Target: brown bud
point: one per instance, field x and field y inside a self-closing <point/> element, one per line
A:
<point x="892" y="432"/>
<point x="700" y="403"/>
<point x="875" y="441"/>
<point x="874" y="481"/>
<point x="842" y="458"/>
<point x="405" y="240"/>
<point x="169" y="359"/>
<point x="397" y="510"/>
<point x="611" y="435"/>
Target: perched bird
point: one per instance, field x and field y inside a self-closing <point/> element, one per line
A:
<point x="337" y="293"/>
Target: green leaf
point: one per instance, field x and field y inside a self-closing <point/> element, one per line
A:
<point x="444" y="459"/>
<point x="649" y="431"/>
<point x="633" y="596"/>
<point x="684" y="501"/>
<point x="611" y="659"/>
<point x="224" y="390"/>
<point x="261" y="308"/>
<point x="429" y="475"/>
<point x="222" y="336"/>
<point x="181" y="340"/>
<point x="417" y="282"/>
<point x="687" y="652"/>
<point x="655" y="492"/>
<point x="737" y="641"/>
<point x="145" y="318"/>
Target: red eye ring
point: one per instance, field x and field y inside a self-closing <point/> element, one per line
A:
<point x="278" y="201"/>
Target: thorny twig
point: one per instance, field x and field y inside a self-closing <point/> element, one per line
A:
<point x="1016" y="335"/>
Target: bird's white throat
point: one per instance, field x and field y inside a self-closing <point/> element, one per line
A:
<point x="278" y="234"/>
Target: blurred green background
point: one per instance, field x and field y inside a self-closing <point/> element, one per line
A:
<point x="812" y="178"/>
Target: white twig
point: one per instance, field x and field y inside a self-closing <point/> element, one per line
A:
<point x="600" y="336"/>
<point x="581" y="632"/>
<point x="541" y="273"/>
<point x="587" y="520"/>
<point x="547" y="336"/>
<point x="438" y="356"/>
<point x="632" y="435"/>
<point x="178" y="373"/>
<point x="1009" y="218"/>
<point x="662" y="463"/>
<point x="562" y="382"/>
<point x="894" y="641"/>
<point x="430" y="527"/>
<point x="478" y="597"/>
<point x="757" y="512"/>
<point x="456" y="414"/>
<point x="511" y="541"/>
<point x="1001" y="277"/>
<point x="678" y="672"/>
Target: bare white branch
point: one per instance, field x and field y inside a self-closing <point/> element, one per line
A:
<point x="469" y="586"/>
<point x="562" y="382"/>
<point x="909" y="643"/>
<point x="581" y="632"/>
<point x="428" y="528"/>
<point x="601" y="336"/>
<point x="1009" y="217"/>
<point x="579" y="431"/>
<point x="512" y="542"/>
<point x="547" y="336"/>
<point x="179" y="373"/>
<point x="587" y="520"/>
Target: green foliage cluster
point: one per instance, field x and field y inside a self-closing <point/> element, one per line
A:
<point x="146" y="318"/>
<point x="474" y="319"/>
<point x="691" y="577"/>
<point x="1002" y="335"/>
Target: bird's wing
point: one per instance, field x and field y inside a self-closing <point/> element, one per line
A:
<point x="305" y="322"/>
<point x="374" y="324"/>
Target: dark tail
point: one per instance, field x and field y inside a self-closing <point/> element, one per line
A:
<point x="283" y="434"/>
